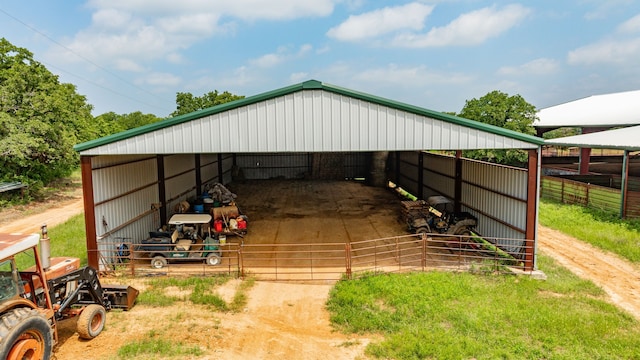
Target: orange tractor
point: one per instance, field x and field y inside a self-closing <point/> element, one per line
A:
<point x="33" y="300"/>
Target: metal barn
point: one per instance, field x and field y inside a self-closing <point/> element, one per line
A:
<point x="133" y="180"/>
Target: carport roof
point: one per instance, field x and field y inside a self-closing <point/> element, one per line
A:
<point x="627" y="138"/>
<point x="498" y="137"/>
<point x="607" y="110"/>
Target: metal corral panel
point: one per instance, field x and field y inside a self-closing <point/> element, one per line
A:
<point x="309" y="121"/>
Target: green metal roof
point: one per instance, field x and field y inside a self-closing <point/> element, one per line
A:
<point x="307" y="85"/>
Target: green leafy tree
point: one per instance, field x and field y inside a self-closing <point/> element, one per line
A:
<point x="112" y="123"/>
<point x="41" y="120"/>
<point x="508" y="112"/>
<point x="187" y="103"/>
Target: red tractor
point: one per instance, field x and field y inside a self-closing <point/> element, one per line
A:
<point x="33" y="300"/>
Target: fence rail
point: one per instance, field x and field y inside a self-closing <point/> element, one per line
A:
<point x="589" y="195"/>
<point x="333" y="261"/>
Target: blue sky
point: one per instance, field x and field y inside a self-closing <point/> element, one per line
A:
<point x="135" y="55"/>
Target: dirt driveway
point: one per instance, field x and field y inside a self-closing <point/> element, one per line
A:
<point x="288" y="320"/>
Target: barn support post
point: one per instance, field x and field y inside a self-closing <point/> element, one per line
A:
<point x="397" y="170"/>
<point x="458" y="182"/>
<point x="162" y="191"/>
<point x="533" y="189"/>
<point x="420" y="175"/>
<point x="585" y="159"/>
<point x="89" y="211"/>
<point x="220" y="174"/>
<point x="624" y="189"/>
<point x="198" y="175"/>
<point x="378" y="168"/>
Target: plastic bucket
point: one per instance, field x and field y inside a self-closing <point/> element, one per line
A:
<point x="198" y="208"/>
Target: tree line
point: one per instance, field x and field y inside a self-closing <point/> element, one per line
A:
<point x="41" y="119"/>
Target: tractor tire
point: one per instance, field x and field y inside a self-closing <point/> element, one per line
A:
<point x="25" y="334"/>
<point x="423" y="230"/>
<point x="158" y="262"/>
<point x="213" y="259"/>
<point x="91" y="321"/>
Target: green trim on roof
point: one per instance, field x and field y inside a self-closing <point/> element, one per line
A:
<point x="307" y="85"/>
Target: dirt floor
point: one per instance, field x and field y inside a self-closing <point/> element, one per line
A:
<point x="284" y="320"/>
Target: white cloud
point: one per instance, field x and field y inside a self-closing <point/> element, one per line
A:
<point x="282" y="54"/>
<point x="241" y="9"/>
<point x="299" y="77"/>
<point x="379" y="22"/>
<point x="630" y="26"/>
<point x="127" y="31"/>
<point x="416" y="75"/>
<point x="606" y="52"/>
<point x="603" y="9"/>
<point x="540" y="66"/>
<point x="128" y="65"/>
<point x="472" y="28"/>
<point x="175" y="58"/>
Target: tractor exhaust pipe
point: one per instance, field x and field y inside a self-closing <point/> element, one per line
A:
<point x="45" y="248"/>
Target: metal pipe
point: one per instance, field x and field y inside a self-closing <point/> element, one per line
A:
<point x="45" y="248"/>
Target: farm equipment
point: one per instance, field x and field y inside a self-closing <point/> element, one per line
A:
<point x="188" y="239"/>
<point x="436" y="215"/>
<point x="35" y="299"/>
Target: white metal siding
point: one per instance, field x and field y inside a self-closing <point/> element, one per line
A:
<point x="499" y="192"/>
<point x="489" y="191"/>
<point x="180" y="177"/>
<point x="309" y="121"/>
<point x="209" y="168"/>
<point x="124" y="187"/>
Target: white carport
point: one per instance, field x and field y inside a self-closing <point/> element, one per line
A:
<point x="131" y="177"/>
<point x="591" y="114"/>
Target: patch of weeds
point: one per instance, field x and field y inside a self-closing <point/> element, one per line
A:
<point x="200" y="296"/>
<point x="158" y="348"/>
<point x="240" y="298"/>
<point x="349" y="343"/>
<point x="156" y="298"/>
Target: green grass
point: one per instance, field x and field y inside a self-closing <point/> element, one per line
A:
<point x="440" y="315"/>
<point x="196" y="289"/>
<point x="153" y="347"/>
<point x="599" y="228"/>
<point x="67" y="239"/>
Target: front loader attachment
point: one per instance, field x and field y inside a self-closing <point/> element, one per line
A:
<point x="120" y="296"/>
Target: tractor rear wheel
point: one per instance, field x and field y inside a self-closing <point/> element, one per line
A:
<point x="91" y="321"/>
<point x="25" y="334"/>
<point x="423" y="230"/>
